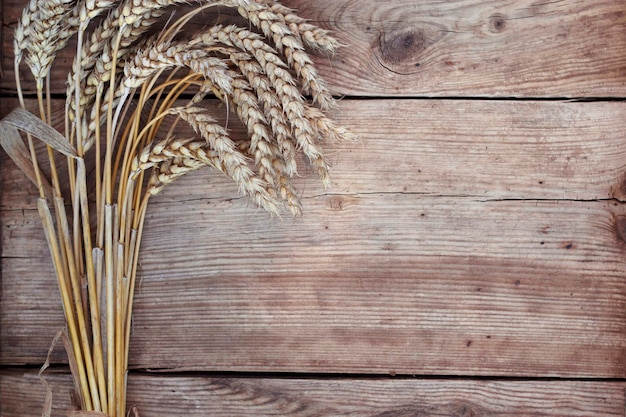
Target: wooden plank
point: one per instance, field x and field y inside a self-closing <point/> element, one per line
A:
<point x="21" y="394"/>
<point x="536" y="288"/>
<point x="426" y="290"/>
<point x="444" y="286"/>
<point x="482" y="149"/>
<point x="522" y="48"/>
<point x="395" y="271"/>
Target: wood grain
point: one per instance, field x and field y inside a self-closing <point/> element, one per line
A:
<point x="464" y="239"/>
<point x="521" y="48"/>
<point x="21" y="394"/>
<point x="459" y="238"/>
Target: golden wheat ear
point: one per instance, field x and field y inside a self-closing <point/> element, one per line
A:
<point x="128" y="89"/>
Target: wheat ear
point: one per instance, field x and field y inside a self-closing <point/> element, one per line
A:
<point x="273" y="24"/>
<point x="233" y="163"/>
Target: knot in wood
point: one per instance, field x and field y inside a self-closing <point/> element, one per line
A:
<point x="497" y="23"/>
<point x="401" y="45"/>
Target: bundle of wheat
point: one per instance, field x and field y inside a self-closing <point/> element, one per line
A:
<point x="127" y="90"/>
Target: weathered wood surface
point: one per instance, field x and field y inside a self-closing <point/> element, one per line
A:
<point x="529" y="48"/>
<point x="446" y="246"/>
<point x="21" y="394"/>
<point x="459" y="238"/>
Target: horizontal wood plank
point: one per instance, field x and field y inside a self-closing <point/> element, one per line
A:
<point x="442" y="287"/>
<point x="495" y="289"/>
<point x="439" y="250"/>
<point x="493" y="48"/>
<point x="21" y="394"/>
<point x="387" y="285"/>
<point x="482" y="149"/>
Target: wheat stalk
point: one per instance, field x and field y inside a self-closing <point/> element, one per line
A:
<point x="125" y="96"/>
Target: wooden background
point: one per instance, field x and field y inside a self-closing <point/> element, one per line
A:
<point x="469" y="259"/>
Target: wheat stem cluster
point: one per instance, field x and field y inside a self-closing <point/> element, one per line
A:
<point x="128" y="89"/>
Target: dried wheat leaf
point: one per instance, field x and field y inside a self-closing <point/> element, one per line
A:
<point x="59" y="337"/>
<point x="29" y="123"/>
<point x="14" y="146"/>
